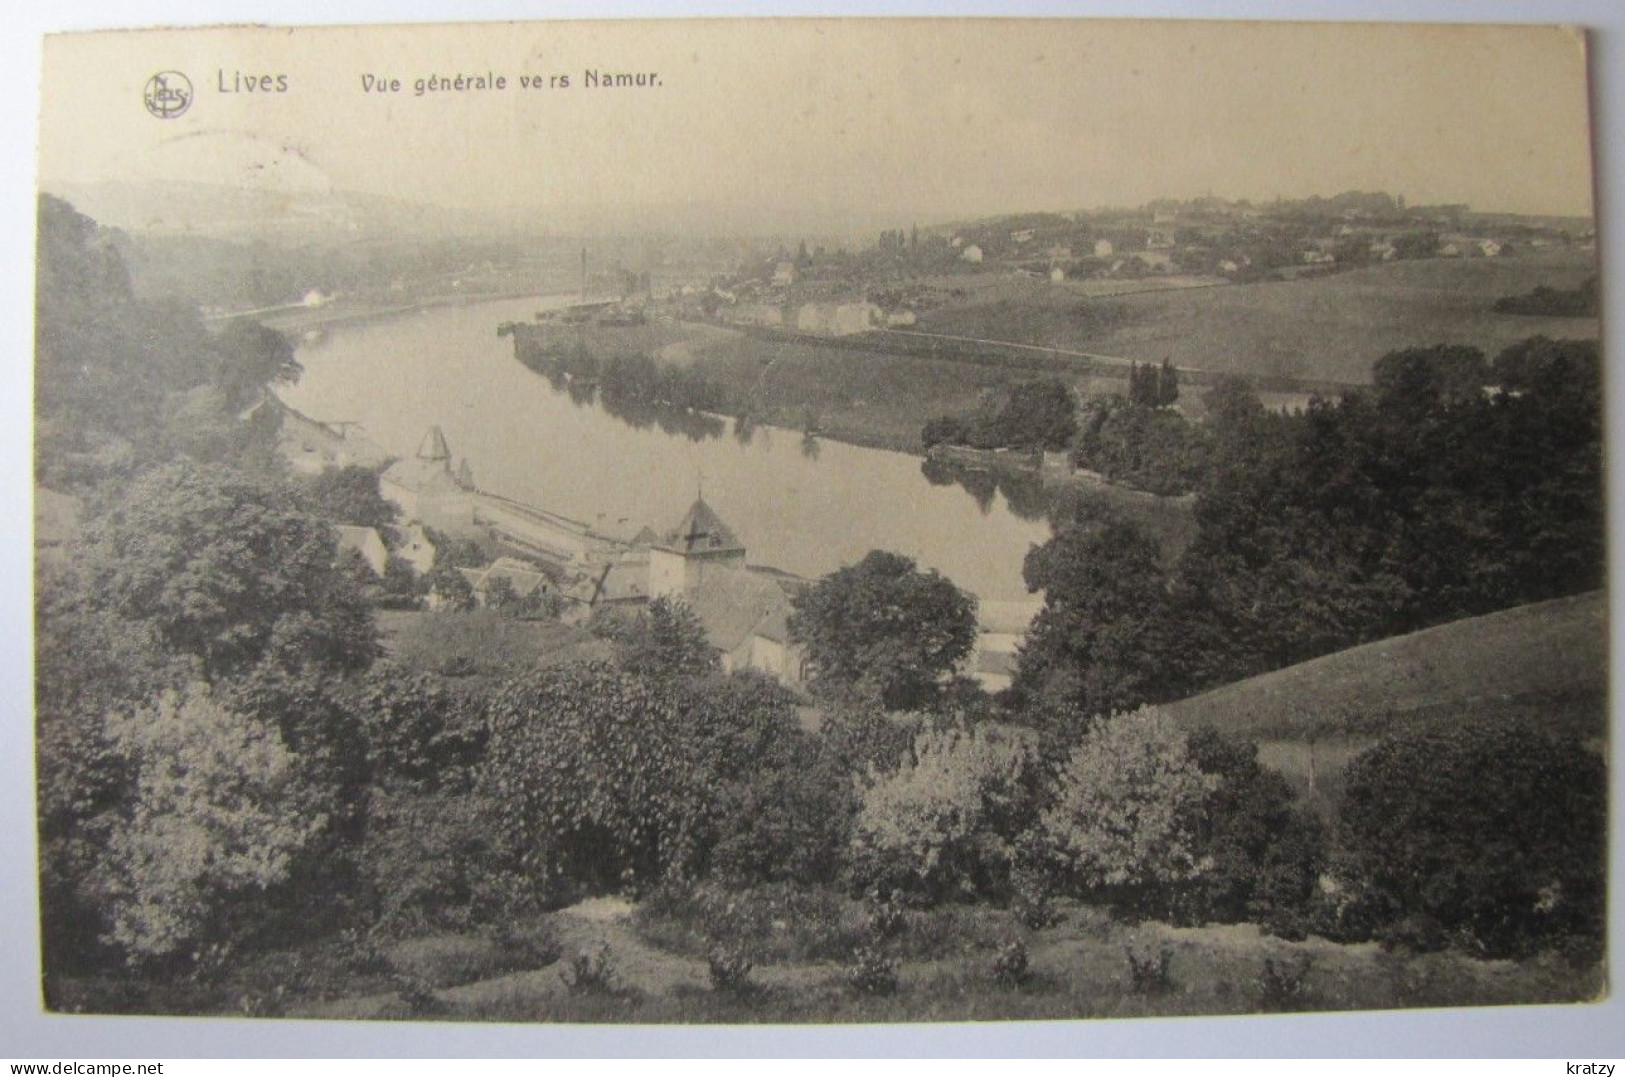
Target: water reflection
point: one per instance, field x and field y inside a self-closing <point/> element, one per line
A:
<point x="1025" y="492"/>
<point x="640" y="413"/>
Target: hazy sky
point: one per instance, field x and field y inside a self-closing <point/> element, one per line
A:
<point x="852" y="121"/>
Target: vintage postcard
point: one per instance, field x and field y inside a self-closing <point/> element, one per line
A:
<point x="752" y="521"/>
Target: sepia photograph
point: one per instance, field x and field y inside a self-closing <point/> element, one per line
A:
<point x="818" y="521"/>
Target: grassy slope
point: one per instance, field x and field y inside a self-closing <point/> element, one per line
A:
<point x="1547" y="658"/>
<point x="1329" y="328"/>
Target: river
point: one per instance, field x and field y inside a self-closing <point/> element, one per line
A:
<point x="808" y="509"/>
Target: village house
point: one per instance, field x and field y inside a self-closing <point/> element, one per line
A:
<point x="523" y="579"/>
<point x="837" y="319"/>
<point x="1104" y="248"/>
<point x="972" y="254"/>
<point x="784" y="273"/>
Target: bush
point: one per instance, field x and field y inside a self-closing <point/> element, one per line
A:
<point x="592" y="973"/>
<point x="944" y="825"/>
<point x="1265" y="855"/>
<point x="1148" y="972"/>
<point x="1126" y="818"/>
<point x="729" y="970"/>
<point x="1030" y="900"/>
<point x="863" y="739"/>
<point x="1495" y="832"/>
<point x="220" y="819"/>
<point x="1010" y="964"/>
<point x="417" y="994"/>
<point x="1281" y="984"/>
<point x="533" y="946"/>
<point x="424" y="858"/>
<point x="590" y="779"/>
<point x="872" y="972"/>
<point x="784" y="807"/>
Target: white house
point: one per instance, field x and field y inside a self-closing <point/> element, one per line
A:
<point x="972" y="253"/>
<point x="1104" y="248"/>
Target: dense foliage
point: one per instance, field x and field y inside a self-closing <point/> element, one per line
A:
<point x="1427" y="499"/>
<point x="1153" y="449"/>
<point x="1126" y="820"/>
<point x="1032" y="415"/>
<point x="946" y="824"/>
<point x="1491" y="835"/>
<point x="1545" y="301"/>
<point x="884" y="629"/>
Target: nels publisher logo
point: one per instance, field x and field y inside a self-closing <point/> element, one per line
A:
<point x="168" y="94"/>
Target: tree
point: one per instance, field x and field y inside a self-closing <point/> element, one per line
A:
<point x="349" y="495"/>
<point x="449" y="589"/>
<point x="945" y="824"/>
<point x="1415" y="381"/>
<point x="884" y="629"/>
<point x="589" y="781"/>
<point x="1105" y="638"/>
<point x="1167" y="384"/>
<point x="1038" y="415"/>
<point x="1266" y="854"/>
<point x="252" y="357"/>
<point x="220" y="815"/>
<point x="226" y="570"/>
<point x="1493" y="833"/>
<point x="666" y="641"/>
<point x="1126" y="819"/>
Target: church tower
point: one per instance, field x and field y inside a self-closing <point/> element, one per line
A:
<point x="701" y="545"/>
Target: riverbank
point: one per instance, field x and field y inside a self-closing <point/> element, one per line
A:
<point x="297" y="321"/>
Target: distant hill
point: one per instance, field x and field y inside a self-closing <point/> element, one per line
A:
<point x="1549" y="658"/>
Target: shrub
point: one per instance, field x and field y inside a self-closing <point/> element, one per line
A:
<point x="1148" y="972"/>
<point x="417" y="994"/>
<point x="1126" y="817"/>
<point x="221" y="815"/>
<point x="1495" y="832"/>
<point x="424" y="858"/>
<point x="872" y="972"/>
<point x="668" y="640"/>
<point x="1265" y="855"/>
<point x="589" y="778"/>
<point x="1281" y="984"/>
<point x="944" y="825"/>
<point x="887" y="918"/>
<point x="1010" y="964"/>
<point x="729" y="970"/>
<point x="533" y="946"/>
<point x="863" y="739"/>
<point x="1030" y="900"/>
<point x="783" y="803"/>
<point x="592" y="973"/>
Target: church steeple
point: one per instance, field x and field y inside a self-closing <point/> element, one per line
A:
<point x="433" y="447"/>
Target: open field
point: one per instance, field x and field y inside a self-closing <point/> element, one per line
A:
<point x="1547" y="662"/>
<point x="1328" y="328"/>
